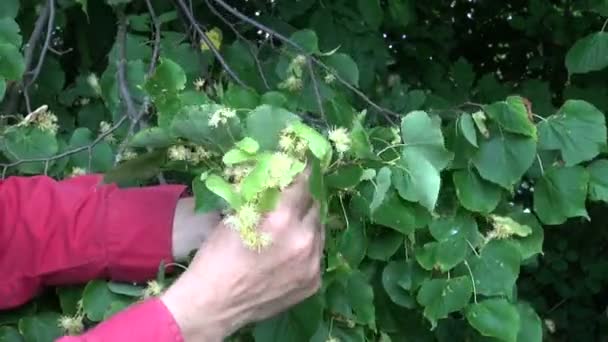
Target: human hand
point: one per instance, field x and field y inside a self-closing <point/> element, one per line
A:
<point x="190" y="229"/>
<point x="228" y="286"/>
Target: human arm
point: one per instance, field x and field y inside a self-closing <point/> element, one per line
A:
<point x="225" y="287"/>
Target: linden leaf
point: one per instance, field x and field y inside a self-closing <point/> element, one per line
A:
<point x="577" y="130"/>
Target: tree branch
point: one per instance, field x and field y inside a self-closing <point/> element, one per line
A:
<point x="207" y="41"/>
<point x="387" y="113"/>
<point x="242" y="38"/>
<point x="68" y="153"/>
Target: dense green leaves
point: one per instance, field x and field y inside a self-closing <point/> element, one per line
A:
<point x="451" y="166"/>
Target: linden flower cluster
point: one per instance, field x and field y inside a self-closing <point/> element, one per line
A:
<point x="505" y="227"/>
<point x="292" y="83"/>
<point x="153" y="289"/>
<point x="290" y="143"/>
<point x="42" y="118"/>
<point x="77" y="171"/>
<point x="341" y="140"/>
<point x="73" y="325"/>
<point x="105" y="127"/>
<point x="246" y="218"/>
<point x="221" y="116"/>
<point x="193" y="155"/>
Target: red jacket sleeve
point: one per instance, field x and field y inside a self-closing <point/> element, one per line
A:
<point x="148" y="321"/>
<point x="71" y="231"/>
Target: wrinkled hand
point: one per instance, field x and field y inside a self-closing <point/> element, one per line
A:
<point x="228" y="286"/>
<point x="190" y="229"/>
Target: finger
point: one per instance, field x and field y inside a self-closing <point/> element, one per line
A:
<point x="297" y="196"/>
<point x="312" y="221"/>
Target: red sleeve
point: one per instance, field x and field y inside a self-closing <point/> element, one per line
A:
<point x="71" y="231"/>
<point x="148" y="321"/>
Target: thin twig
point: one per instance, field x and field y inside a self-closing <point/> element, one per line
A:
<point x="315" y="87"/>
<point x="209" y="43"/>
<point x="47" y="42"/>
<point x="31" y="45"/>
<point x="387" y="113"/>
<point x="66" y="153"/>
<point x="121" y="61"/>
<point x="156" y="50"/>
<point x="242" y="38"/>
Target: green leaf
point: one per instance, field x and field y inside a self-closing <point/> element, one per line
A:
<point x="598" y="180"/>
<point x="371" y="11"/>
<point x="140" y="168"/>
<point x="29" y="143"/>
<point x="225" y="190"/>
<point x="423" y="154"/>
<point x="561" y="194"/>
<point x="298" y="324"/>
<point x="422" y="135"/>
<point x="192" y="123"/>
<point x="504" y="158"/>
<point x="96" y="299"/>
<point x="442" y="256"/>
<point x="265" y="123"/>
<point x="512" y="116"/>
<point x="393" y="212"/>
<point x="440" y="297"/>
<point x="318" y="145"/>
<point x="495" y="318"/>
<point x="396" y="280"/>
<point x="69" y="296"/>
<point x="205" y="200"/>
<point x="248" y="145"/>
<point x="345" y="177"/>
<point x="10" y="334"/>
<point x="101" y="158"/>
<point x="402" y="12"/>
<point x="588" y="54"/>
<point x="306" y="39"/>
<point x="2" y="88"/>
<point x="10" y="32"/>
<point x="12" y="65"/>
<point x="384" y="245"/>
<point x="239" y="97"/>
<point x="236" y="156"/>
<point x="533" y="243"/>
<point x="169" y="77"/>
<point x="530" y="329"/>
<point x="361" y="297"/>
<point x="344" y="65"/>
<point x="154" y="137"/>
<point x="41" y="327"/>
<point x="383" y="183"/>
<point x="460" y="226"/>
<point x="475" y="193"/>
<point x="577" y="130"/>
<point x="126" y="289"/>
<point x="467" y="127"/>
<point x="496" y="269"/>
<point x="9" y="8"/>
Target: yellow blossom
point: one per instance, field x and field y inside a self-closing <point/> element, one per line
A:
<point x="340" y="138"/>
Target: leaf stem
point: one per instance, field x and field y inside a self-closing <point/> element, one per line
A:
<point x="472" y="281"/>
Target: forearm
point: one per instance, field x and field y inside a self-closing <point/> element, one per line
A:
<point x="76" y="230"/>
<point x="147" y="321"/>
